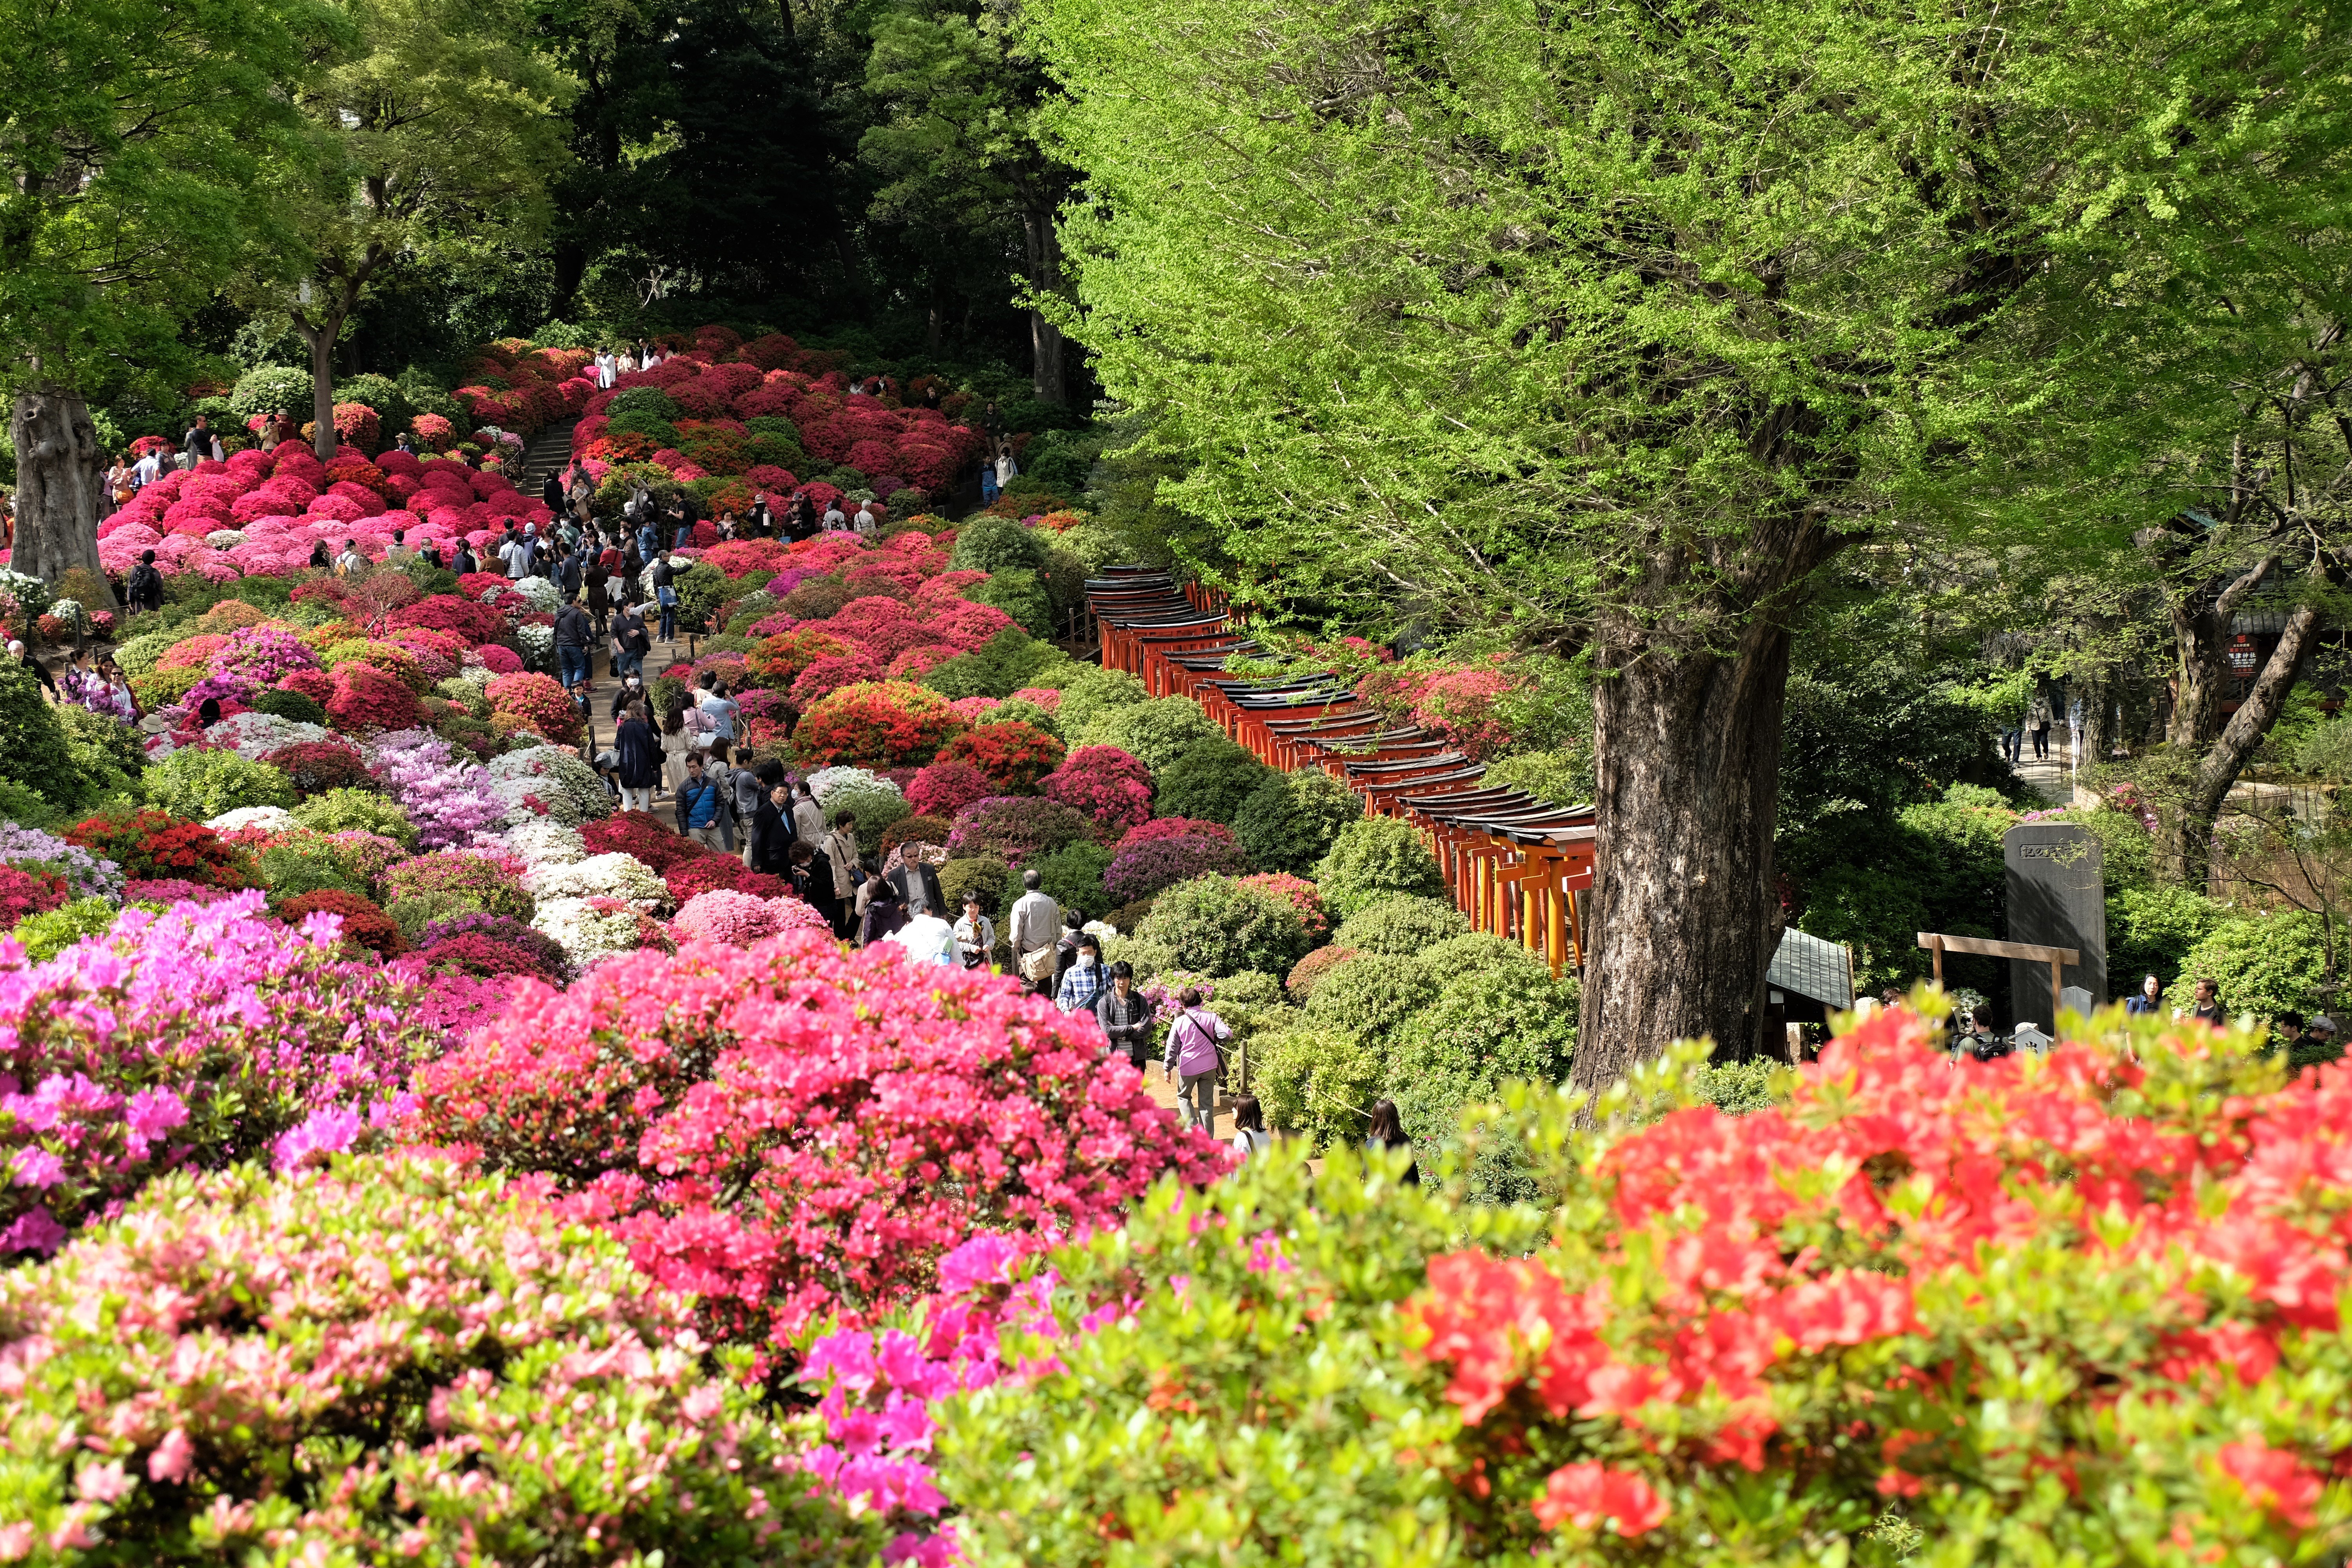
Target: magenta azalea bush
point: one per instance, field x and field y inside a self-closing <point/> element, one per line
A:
<point x="1108" y="785"/>
<point x="1160" y="863"/>
<point x="448" y="797"/>
<point x="202" y="1036"/>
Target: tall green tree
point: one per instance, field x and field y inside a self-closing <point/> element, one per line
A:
<point x="958" y="151"/>
<point x="1610" y="327"/>
<point x="436" y="134"/>
<point x="132" y="134"/>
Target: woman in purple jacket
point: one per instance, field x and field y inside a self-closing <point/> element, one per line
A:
<point x="1192" y="1061"/>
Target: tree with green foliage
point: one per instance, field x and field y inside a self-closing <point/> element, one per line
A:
<point x="957" y="144"/>
<point x="1610" y="331"/>
<point x="134" y="135"/>
<point x="433" y="137"/>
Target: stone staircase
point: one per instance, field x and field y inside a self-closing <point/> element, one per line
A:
<point x="548" y="452"/>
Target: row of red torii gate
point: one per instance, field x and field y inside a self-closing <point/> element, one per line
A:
<point x="1516" y="865"/>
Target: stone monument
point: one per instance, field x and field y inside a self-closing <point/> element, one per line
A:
<point x="2057" y="898"/>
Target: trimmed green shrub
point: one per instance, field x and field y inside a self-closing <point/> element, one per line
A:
<point x="1402" y="924"/>
<point x="1373" y="997"/>
<point x="296" y="708"/>
<point x="30" y="808"/>
<point x="1156" y="732"/>
<point x="1088" y="696"/>
<point x="1020" y="714"/>
<point x="701" y="589"/>
<point x="471" y="696"/>
<point x="138" y="655"/>
<point x="105" y="753"/>
<point x="290" y="870"/>
<point x="1288" y="821"/>
<point x="877" y="811"/>
<point x="998" y="667"/>
<point x="1073" y="875"/>
<point x="33" y="749"/>
<point x="199" y="784"/>
<point x="1739" y="1089"/>
<point x="1372" y="857"/>
<point x="641" y="422"/>
<point x="344" y="810"/>
<point x="270" y="388"/>
<point x="1021" y="595"/>
<point x="1220" y="925"/>
<point x="47" y="935"/>
<point x="1210" y="779"/>
<point x="1315" y="1081"/>
<point x="2152" y="930"/>
<point x="1488" y="1025"/>
<point x="995" y="545"/>
<point x="2264" y="965"/>
<point x="984" y="873"/>
<point x="650" y="400"/>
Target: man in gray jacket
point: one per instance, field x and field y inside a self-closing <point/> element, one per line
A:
<point x="1036" y="927"/>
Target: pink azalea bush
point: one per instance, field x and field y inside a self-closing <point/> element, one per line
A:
<point x="793" y="1130"/>
<point x="389" y="1361"/>
<point x="1110" y="786"/>
<point x="203" y="1035"/>
<point x="739" y="919"/>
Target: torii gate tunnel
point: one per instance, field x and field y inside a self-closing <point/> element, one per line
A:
<point x="1513" y="864"/>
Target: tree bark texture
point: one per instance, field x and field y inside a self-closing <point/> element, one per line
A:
<point x="2184" y="837"/>
<point x="60" y="483"/>
<point x="322" y="386"/>
<point x="1048" y="380"/>
<point x="1689" y="755"/>
<point x="2200" y="631"/>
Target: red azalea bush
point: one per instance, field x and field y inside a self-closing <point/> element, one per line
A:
<point x="1303" y="896"/>
<point x="828" y="675"/>
<point x="643" y="836"/>
<point x="875" y="724"/>
<point x="530" y="700"/>
<point x="29" y="890"/>
<point x="775" y="662"/>
<point x="945" y="788"/>
<point x="317" y="766"/>
<point x="153" y="845"/>
<point x="462" y="617"/>
<point x="707" y="873"/>
<point x="364" y="925"/>
<point x="315" y="684"/>
<point x="794" y="1130"/>
<point x="1016" y="829"/>
<point x="1161" y="863"/>
<point x="365" y="699"/>
<point x="1112" y="786"/>
<point x="499" y="660"/>
<point x="538" y="952"/>
<point x="1161" y="827"/>
<point x="474" y="954"/>
<point x="1013" y="755"/>
<point x="2077" y="1306"/>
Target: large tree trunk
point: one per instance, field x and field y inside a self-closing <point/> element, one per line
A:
<point x="2185" y="838"/>
<point x="2200" y="634"/>
<point x="322" y="386"/>
<point x="1688" y="753"/>
<point x="60" y="483"/>
<point x="1048" y="381"/>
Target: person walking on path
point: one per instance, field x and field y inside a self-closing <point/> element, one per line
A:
<point x="664" y="578"/>
<point x="639" y="763"/>
<point x="1249" y="1127"/>
<point x="811" y="876"/>
<point x="631" y="641"/>
<point x="2038" y="718"/>
<point x="975" y="934"/>
<point x="751" y="794"/>
<point x="770" y="842"/>
<point x="1082" y="982"/>
<point x="840" y="847"/>
<point x="698" y="804"/>
<point x="1036" y="929"/>
<point x="1125" y="1014"/>
<point x="572" y="631"/>
<point x="1387" y="1132"/>
<point x="808" y="817"/>
<point x="677" y="745"/>
<point x="1192" y="1058"/>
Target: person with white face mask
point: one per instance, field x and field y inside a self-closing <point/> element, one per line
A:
<point x="1083" y="980"/>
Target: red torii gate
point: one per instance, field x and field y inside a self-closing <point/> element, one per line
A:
<point x="1513" y="864"/>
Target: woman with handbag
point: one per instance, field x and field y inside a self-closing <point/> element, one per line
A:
<point x="1192" y="1061"/>
<point x="975" y="934"/>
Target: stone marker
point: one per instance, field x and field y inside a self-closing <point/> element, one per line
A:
<point x="2057" y="898"/>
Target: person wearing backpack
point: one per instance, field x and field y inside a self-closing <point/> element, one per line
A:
<point x="1192" y="1060"/>
<point x="144" y="590"/>
<point x="698" y="804"/>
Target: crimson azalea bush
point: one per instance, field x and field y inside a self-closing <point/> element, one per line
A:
<point x="707" y="872"/>
<point x="1145" y="869"/>
<point x="1016" y="829"/>
<point x="367" y="701"/>
<point x="315" y="767"/>
<point x="150" y="844"/>
<point x="793" y="1130"/>
<point x="1013" y="755"/>
<point x="643" y="836"/>
<point x="946" y="788"/>
<point x="365" y="927"/>
<point x="530" y="700"/>
<point x="534" y="951"/>
<point x="1109" y="785"/>
<point x="29" y="890"/>
<point x="875" y="724"/>
<point x="1303" y="897"/>
<point x="388" y="1360"/>
<point x="204" y="1034"/>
